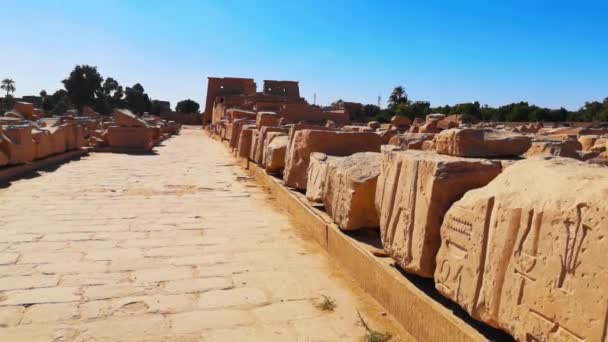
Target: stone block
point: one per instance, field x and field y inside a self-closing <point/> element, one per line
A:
<point x="415" y="190"/>
<point x="525" y="253"/>
<point x="131" y="137"/>
<point x="124" y="117"/>
<point x="244" y="145"/>
<point x="42" y="143"/>
<point x="411" y="141"/>
<point x="18" y="144"/>
<point x="58" y="139"/>
<point x="274" y="156"/>
<point x="317" y="175"/>
<point x="26" y="109"/>
<point x="469" y="142"/>
<point x="334" y="143"/>
<point x="263" y="142"/>
<point x="565" y="148"/>
<point x="234" y="133"/>
<point x="350" y="190"/>
<point x="270" y="119"/>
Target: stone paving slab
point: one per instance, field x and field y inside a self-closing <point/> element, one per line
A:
<point x="180" y="245"/>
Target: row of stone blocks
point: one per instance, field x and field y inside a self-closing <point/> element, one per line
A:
<point x="25" y="143"/>
<point x="517" y="244"/>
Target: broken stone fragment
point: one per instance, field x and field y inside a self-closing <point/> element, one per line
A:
<point x="470" y="142"/>
<point x="350" y="190"/>
<point x="415" y="190"/>
<point x="524" y="253"/>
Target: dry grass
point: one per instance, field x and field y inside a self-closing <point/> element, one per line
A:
<point x="326" y="304"/>
<point x="372" y="335"/>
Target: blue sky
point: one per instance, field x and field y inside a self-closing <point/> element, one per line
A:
<point x="551" y="53"/>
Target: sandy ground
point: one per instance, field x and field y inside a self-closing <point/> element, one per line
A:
<point x="177" y="246"/>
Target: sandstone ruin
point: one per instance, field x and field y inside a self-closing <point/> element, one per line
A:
<point x="521" y="253"/>
<point x="484" y="210"/>
<point x="415" y="190"/>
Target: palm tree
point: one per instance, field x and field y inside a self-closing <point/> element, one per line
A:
<point x="397" y="96"/>
<point x="8" y="85"/>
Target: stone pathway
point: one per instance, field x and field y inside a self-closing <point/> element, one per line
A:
<point x="178" y="246"/>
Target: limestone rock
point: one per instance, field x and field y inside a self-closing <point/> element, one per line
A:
<point x="415" y="190"/>
<point x="350" y="190"/>
<point x="317" y="175"/>
<point x="469" y="142"/>
<point x="334" y="143"/>
<point x="275" y="152"/>
<point x="124" y="117"/>
<point x="525" y="253"/>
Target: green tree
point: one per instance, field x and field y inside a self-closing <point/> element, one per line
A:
<point x="83" y="84"/>
<point x="399" y="95"/>
<point x="8" y="85"/>
<point x="187" y="106"/>
<point x="137" y="100"/>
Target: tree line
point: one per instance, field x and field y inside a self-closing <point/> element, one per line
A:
<point x="400" y="104"/>
<point x="86" y="87"/>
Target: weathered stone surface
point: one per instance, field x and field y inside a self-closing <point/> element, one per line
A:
<point x="124" y="117"/>
<point x="244" y="145"/>
<point x="317" y="175"/>
<point x="58" y="140"/>
<point x="270" y="119"/>
<point x="587" y="141"/>
<point x="335" y="143"/>
<point x="131" y="137"/>
<point x="255" y="140"/>
<point x="524" y="253"/>
<point x="399" y="120"/>
<point x="275" y="152"/>
<point x="17" y="144"/>
<point x="469" y="142"/>
<point x="351" y="189"/>
<point x="263" y="142"/>
<point x="26" y="109"/>
<point x="566" y="148"/>
<point x="412" y="141"/>
<point x="235" y="132"/>
<point x="42" y="143"/>
<point x="415" y="189"/>
<point x="386" y="135"/>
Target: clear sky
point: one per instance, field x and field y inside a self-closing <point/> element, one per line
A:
<point x="551" y="53"/>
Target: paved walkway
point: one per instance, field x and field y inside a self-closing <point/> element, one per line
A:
<point x="178" y="246"/>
